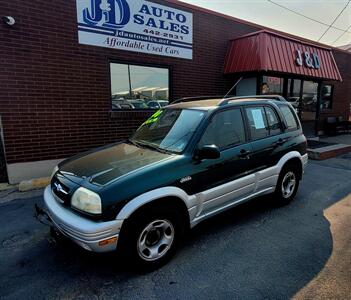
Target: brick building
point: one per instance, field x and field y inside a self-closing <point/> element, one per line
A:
<point x="68" y="86"/>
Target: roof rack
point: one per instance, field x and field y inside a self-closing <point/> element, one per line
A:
<point x="188" y="99"/>
<point x="272" y="97"/>
<point x="225" y="101"/>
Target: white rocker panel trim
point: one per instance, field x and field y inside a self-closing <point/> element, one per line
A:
<point x="236" y="202"/>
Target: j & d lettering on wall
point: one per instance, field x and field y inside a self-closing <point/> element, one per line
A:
<point x="309" y="60"/>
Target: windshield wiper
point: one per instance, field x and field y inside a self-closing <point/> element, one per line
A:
<point x="148" y="146"/>
<point x="154" y="148"/>
<point x="133" y="142"/>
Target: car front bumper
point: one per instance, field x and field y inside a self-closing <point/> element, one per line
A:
<point x="91" y="235"/>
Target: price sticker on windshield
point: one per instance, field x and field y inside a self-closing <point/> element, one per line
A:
<point x="153" y="118"/>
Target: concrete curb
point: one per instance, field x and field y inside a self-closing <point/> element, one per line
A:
<point x="33" y="184"/>
<point x="6" y="187"/>
<point x="328" y="151"/>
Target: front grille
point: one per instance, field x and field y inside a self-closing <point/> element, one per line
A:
<point x="60" y="190"/>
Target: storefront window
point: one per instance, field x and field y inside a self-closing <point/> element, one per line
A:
<point x="326" y="96"/>
<point x="139" y="87"/>
<point x="247" y="87"/>
<point x="294" y="92"/>
<point x="309" y="100"/>
<point x="272" y="85"/>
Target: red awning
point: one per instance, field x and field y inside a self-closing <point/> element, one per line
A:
<point x="269" y="51"/>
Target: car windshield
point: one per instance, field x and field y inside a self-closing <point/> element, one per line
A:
<point x="169" y="129"/>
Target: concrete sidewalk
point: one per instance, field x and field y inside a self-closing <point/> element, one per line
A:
<point x="338" y="145"/>
<point x="338" y="139"/>
<point x="331" y="281"/>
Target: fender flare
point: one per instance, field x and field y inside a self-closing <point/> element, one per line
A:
<point x="289" y="156"/>
<point x="150" y="196"/>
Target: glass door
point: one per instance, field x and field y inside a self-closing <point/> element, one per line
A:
<point x="309" y="101"/>
<point x="308" y="107"/>
<point x="3" y="172"/>
<point x="294" y="93"/>
<point x="303" y="95"/>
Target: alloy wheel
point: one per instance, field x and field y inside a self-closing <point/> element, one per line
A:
<point x="155" y="240"/>
<point x="288" y="184"/>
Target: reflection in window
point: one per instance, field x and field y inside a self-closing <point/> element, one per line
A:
<point x="289" y="117"/>
<point x="327" y="96"/>
<point x="230" y="125"/>
<point x="272" y="85"/>
<point x="247" y="87"/>
<point x="139" y="87"/>
<point x="294" y="91"/>
<point x="309" y="100"/>
<point x="273" y="121"/>
<point x="169" y="129"/>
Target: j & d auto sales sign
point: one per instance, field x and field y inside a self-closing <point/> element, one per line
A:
<point x="135" y="25"/>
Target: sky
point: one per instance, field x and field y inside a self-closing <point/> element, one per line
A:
<point x="266" y="13"/>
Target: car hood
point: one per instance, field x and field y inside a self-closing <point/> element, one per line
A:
<point x="107" y="164"/>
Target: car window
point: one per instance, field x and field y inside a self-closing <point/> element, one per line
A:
<point x="225" y="129"/>
<point x="274" y="125"/>
<point x="169" y="129"/>
<point x="289" y="117"/>
<point x="257" y="122"/>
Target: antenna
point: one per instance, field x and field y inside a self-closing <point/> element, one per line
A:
<point x="233" y="87"/>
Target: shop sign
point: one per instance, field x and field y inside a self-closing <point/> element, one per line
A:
<point x="273" y="80"/>
<point x="310" y="60"/>
<point x="135" y="25"/>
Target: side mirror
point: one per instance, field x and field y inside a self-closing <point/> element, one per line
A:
<point x="208" y="152"/>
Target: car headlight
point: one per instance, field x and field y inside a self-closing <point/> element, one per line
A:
<point x="54" y="172"/>
<point x="87" y="201"/>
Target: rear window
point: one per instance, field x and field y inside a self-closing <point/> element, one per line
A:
<point x="289" y="117"/>
<point x="273" y="121"/>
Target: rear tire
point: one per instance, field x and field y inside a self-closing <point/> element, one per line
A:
<point x="149" y="238"/>
<point x="287" y="185"/>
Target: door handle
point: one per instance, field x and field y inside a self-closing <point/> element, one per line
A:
<point x="244" y="154"/>
<point x="280" y="142"/>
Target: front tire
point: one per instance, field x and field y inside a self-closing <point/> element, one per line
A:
<point x="287" y="185"/>
<point x="150" y="238"/>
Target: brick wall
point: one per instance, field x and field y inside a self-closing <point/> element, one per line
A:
<point x="55" y="97"/>
<point x="3" y="176"/>
<point x="342" y="90"/>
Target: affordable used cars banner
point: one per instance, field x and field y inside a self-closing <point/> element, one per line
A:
<point x="135" y="25"/>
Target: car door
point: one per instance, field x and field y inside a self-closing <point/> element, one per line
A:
<point x="267" y="142"/>
<point x="221" y="181"/>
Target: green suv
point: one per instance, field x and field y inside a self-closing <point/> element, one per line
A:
<point x="187" y="162"/>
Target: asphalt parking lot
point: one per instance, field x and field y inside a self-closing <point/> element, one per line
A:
<point x="255" y="251"/>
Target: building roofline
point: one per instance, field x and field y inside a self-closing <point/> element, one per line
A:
<point x="212" y="12"/>
<point x="289" y="37"/>
<point x="260" y="27"/>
